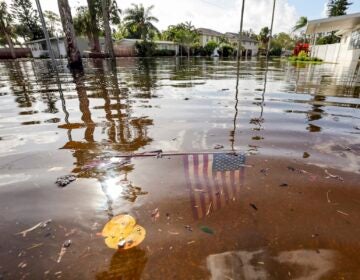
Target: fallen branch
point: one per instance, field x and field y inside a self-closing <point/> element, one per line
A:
<point x="41" y="224"/>
<point x="332" y="176"/>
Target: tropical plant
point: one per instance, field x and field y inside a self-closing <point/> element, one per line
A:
<point x="301" y="23"/>
<point x="264" y="36"/>
<point x="145" y="48"/>
<point x="140" y="23"/>
<point x="109" y="48"/>
<point x="184" y="33"/>
<point x="90" y="20"/>
<point x="284" y="41"/>
<point x="53" y="23"/>
<point x="210" y="47"/>
<point x="227" y="50"/>
<point x="28" y="19"/>
<point x="6" y="23"/>
<point x="338" y="7"/>
<point x="73" y="53"/>
<point x="82" y="23"/>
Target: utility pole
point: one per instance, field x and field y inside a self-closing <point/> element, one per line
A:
<point x="271" y="29"/>
<point x="241" y="28"/>
<point x="47" y="38"/>
<point x="73" y="53"/>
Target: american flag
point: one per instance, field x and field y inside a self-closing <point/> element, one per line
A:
<point x="214" y="179"/>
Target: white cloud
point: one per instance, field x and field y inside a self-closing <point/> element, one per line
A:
<point x="324" y="13"/>
<point x="223" y="15"/>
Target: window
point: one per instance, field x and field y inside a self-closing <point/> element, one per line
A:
<point x="355" y="40"/>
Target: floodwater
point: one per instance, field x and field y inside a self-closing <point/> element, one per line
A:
<point x="258" y="176"/>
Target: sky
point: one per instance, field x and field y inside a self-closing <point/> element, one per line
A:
<point x="223" y="15"/>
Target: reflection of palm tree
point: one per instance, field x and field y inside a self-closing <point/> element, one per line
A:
<point x="139" y="22"/>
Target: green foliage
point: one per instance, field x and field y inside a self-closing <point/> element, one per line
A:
<point x="301" y="23"/>
<point x="275" y="49"/>
<point x="184" y="33"/>
<point x="28" y="18"/>
<point x="264" y="36"/>
<point x="328" y="39"/>
<point x="304" y="57"/>
<point x="6" y="25"/>
<point x="338" y="7"/>
<point x="53" y="23"/>
<point x="139" y="22"/>
<point x="81" y="21"/>
<point x="283" y="41"/>
<point x="210" y="47"/>
<point x="145" y="48"/>
<point x="164" y="53"/>
<point x="227" y="50"/>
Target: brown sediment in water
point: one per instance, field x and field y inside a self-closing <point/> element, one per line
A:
<point x="290" y="210"/>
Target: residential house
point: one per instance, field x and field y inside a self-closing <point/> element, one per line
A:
<point x="39" y="47"/>
<point x="207" y="35"/>
<point x="127" y="47"/>
<point x="347" y="27"/>
<point x="250" y="46"/>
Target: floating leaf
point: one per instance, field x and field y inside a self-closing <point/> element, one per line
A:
<point x="207" y="230"/>
<point x="121" y="232"/>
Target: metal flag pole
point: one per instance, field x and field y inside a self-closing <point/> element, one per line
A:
<point x="241" y="28"/>
<point x="271" y="29"/>
<point x="47" y="38"/>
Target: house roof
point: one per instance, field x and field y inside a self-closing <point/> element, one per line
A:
<point x="333" y="24"/>
<point x="43" y="40"/>
<point x="243" y="37"/>
<point x="206" y="31"/>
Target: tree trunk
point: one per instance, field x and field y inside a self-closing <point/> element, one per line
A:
<point x="95" y="43"/>
<point x="109" y="48"/>
<point x="11" y="45"/>
<point x="73" y="53"/>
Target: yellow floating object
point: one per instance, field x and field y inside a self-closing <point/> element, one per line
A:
<point x="121" y="232"/>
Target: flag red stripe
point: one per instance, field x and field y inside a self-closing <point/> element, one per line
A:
<point x="188" y="183"/>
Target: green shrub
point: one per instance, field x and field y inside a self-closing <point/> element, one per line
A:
<point x="227" y="50"/>
<point x="145" y="48"/>
<point x="210" y="47"/>
<point x="164" y="53"/>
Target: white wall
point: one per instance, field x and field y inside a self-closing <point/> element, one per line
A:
<point x="337" y="53"/>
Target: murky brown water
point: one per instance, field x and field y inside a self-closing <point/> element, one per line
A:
<point x="285" y="206"/>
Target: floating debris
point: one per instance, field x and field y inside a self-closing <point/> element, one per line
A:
<point x="306" y="155"/>
<point x="63" y="181"/>
<point x="122" y="233"/>
<point x="332" y="176"/>
<point x="218" y="146"/>
<point x="265" y="171"/>
<point x="41" y="224"/>
<point x="155" y="214"/>
<point x="189" y="228"/>
<point x="284" y="185"/>
<point x="341" y="212"/>
<point x="63" y="250"/>
<point x="253" y="206"/>
<point x="207" y="230"/>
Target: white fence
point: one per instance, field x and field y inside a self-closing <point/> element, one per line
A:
<point x="328" y="53"/>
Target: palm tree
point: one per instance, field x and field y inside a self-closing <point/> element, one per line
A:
<point x="95" y="43"/>
<point x="302" y="22"/>
<point x="109" y="48"/>
<point x="6" y="24"/>
<point x="72" y="50"/>
<point x="139" y="22"/>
